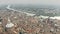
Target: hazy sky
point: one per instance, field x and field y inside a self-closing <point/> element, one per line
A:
<point x="50" y="2"/>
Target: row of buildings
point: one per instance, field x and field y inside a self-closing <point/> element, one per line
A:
<point x="17" y="23"/>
